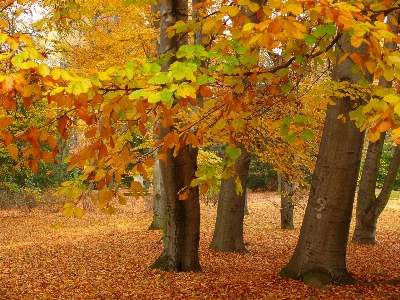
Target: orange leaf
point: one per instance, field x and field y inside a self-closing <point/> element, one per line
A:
<point x="5" y="122"/>
<point x="62" y="124"/>
<point x="205" y="91"/>
<point x="47" y="156"/>
<point x="12" y="150"/>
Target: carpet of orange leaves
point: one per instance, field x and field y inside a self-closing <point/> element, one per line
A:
<point x="107" y="257"/>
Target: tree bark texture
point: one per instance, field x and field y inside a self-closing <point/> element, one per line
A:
<point x="182" y="234"/>
<point x="320" y="254"/>
<point x="228" y="233"/>
<point x="287" y="206"/>
<point x="369" y="207"/>
<point x="159" y="199"/>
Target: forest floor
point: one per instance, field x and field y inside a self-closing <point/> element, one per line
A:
<point x="108" y="257"/>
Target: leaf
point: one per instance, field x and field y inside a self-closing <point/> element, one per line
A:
<point x="233" y="152"/>
<point x="310" y="39"/>
<point x="78" y="212"/>
<point x="43" y="69"/>
<point x="12" y="150"/>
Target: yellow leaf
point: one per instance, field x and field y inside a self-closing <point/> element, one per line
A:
<point x="209" y="25"/>
<point x="78" y="212"/>
<point x="295" y="8"/>
<point x="356" y="41"/>
<point x="43" y="70"/>
<point x="253" y="6"/>
<point x="55" y="74"/>
<point x="248" y="27"/>
<point x="104" y="76"/>
<point x="391" y="99"/>
<point x="231" y="10"/>
<point x="388" y="73"/>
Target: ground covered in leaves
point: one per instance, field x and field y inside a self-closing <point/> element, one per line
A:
<point x="107" y="257"/>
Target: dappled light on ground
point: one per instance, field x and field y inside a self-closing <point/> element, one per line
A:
<point x="107" y="257"/>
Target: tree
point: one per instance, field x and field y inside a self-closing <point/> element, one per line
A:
<point x="287" y="206"/>
<point x="320" y="254"/>
<point x="369" y="206"/>
<point x="228" y="232"/>
<point x="183" y="223"/>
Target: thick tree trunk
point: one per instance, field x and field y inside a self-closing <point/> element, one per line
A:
<point x="183" y="225"/>
<point x="159" y="199"/>
<point x="369" y="207"/>
<point x="182" y="234"/>
<point x="228" y="233"/>
<point x="320" y="254"/>
<point x="287" y="206"/>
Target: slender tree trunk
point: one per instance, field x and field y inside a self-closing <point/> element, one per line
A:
<point x="183" y="225"/>
<point x="246" y="208"/>
<point x="228" y="233"/>
<point x="320" y="254"/>
<point x="287" y="206"/>
<point x="159" y="199"/>
<point x="369" y="207"/>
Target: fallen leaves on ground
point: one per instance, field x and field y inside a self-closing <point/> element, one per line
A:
<point x="107" y="257"/>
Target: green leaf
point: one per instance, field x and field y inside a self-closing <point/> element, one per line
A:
<point x="286" y="87"/>
<point x="320" y="31"/>
<point x="287" y="120"/>
<point x="161" y="78"/>
<point x="307" y="135"/>
<point x="300" y="59"/>
<point x="282" y="72"/>
<point x="284" y="130"/>
<point x="232" y="152"/>
<point x="241" y="49"/>
<point x="331" y="29"/>
<point x="310" y="39"/>
<point x="289" y="138"/>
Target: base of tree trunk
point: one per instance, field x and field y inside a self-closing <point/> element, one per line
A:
<point x="166" y="263"/>
<point x="364" y="237"/>
<point x="319" y="278"/>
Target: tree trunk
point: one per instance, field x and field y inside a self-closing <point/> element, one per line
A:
<point x="228" y="233"/>
<point x="246" y="209"/>
<point x="320" y="254"/>
<point x="182" y="234"/>
<point x="287" y="206"/>
<point x="369" y="207"/>
<point x="159" y="199"/>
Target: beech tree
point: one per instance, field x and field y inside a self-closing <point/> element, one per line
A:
<point x="228" y="233"/>
<point x="238" y="86"/>
<point x="369" y="206"/>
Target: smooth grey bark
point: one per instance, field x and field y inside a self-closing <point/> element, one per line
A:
<point x="320" y="254"/>
<point x="182" y="234"/>
<point x="228" y="233"/>
<point x="287" y="206"/>
<point x="369" y="207"/>
<point x="159" y="199"/>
